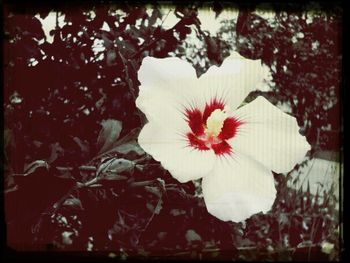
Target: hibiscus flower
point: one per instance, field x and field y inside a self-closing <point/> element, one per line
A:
<point x="197" y="129"/>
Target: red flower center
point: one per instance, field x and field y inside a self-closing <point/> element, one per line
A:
<point x="211" y="128"/>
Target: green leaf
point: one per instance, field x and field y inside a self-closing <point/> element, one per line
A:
<point x="154" y="190"/>
<point x="115" y="166"/>
<point x="158" y="207"/>
<point x="32" y="167"/>
<point x="74" y="203"/>
<point x="109" y="134"/>
<point x="131" y="150"/>
<point x="192" y="236"/>
<point x="132" y="135"/>
<point x="114" y="177"/>
<point x="177" y="212"/>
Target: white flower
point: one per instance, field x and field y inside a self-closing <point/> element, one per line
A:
<point x="195" y="132"/>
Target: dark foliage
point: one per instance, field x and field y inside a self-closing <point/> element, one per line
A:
<point x="75" y="177"/>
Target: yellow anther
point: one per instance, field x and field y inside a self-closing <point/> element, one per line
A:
<point x="215" y="122"/>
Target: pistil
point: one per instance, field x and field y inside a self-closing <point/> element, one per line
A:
<point x="215" y="122"/>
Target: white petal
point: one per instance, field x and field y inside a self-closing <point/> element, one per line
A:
<point x="162" y="70"/>
<point x="233" y="80"/>
<point x="238" y="188"/>
<point x="171" y="149"/>
<point x="166" y="89"/>
<point x="269" y="135"/>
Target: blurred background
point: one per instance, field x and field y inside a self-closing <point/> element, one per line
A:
<point x="75" y="178"/>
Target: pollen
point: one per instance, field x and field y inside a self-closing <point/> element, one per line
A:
<point x="215" y="122"/>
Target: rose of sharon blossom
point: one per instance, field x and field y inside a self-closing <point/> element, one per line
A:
<point x="195" y="131"/>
